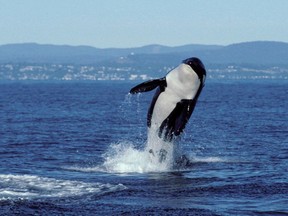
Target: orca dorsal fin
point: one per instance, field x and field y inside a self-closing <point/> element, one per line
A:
<point x="148" y="85"/>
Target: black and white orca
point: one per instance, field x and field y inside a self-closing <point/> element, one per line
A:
<point x="175" y="97"/>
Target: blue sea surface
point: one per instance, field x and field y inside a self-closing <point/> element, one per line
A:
<point x="78" y="148"/>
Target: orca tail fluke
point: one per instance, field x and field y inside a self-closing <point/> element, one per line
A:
<point x="148" y="85"/>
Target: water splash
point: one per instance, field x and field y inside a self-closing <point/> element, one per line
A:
<point x="126" y="157"/>
<point x="156" y="156"/>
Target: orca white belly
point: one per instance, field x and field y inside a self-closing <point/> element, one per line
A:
<point x="164" y="105"/>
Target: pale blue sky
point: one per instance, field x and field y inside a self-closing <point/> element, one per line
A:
<point x="132" y="23"/>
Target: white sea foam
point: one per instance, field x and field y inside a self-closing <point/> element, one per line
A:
<point x="32" y="186"/>
<point x="208" y="159"/>
<point x="125" y="157"/>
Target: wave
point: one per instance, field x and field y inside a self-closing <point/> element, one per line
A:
<point x="32" y="186"/>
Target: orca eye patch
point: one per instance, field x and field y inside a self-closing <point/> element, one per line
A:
<point x="190" y="63"/>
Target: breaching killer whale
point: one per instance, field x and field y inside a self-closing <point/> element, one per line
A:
<point x="175" y="97"/>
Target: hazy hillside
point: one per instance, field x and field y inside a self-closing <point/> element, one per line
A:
<point x="36" y="53"/>
<point x="262" y="53"/>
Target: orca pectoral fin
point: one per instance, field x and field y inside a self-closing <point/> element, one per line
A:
<point x="175" y="123"/>
<point x="148" y="85"/>
<point x="167" y="128"/>
<point x="181" y="121"/>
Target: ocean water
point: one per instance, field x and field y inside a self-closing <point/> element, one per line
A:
<point x="80" y="148"/>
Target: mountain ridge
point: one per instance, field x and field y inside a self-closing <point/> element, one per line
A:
<point x="254" y="52"/>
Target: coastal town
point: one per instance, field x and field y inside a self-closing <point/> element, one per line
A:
<point x="69" y="72"/>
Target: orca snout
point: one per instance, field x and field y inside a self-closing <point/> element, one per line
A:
<point x="197" y="65"/>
